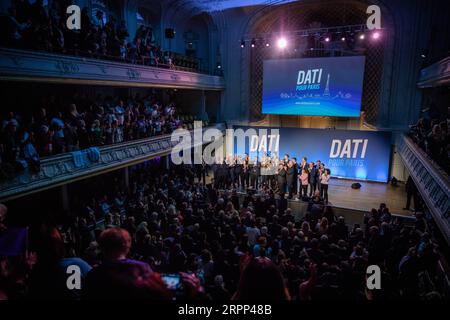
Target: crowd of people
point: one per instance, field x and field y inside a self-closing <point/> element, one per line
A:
<point x="170" y="236"/>
<point x="33" y="26"/>
<point x="301" y="179"/>
<point x="85" y="122"/>
<point x="433" y="136"/>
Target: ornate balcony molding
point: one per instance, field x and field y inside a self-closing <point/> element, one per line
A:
<point x="23" y="65"/>
<point x="438" y="74"/>
<point x="61" y="169"/>
<point x="433" y="183"/>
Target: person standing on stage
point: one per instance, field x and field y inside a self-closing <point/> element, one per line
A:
<point x="230" y="172"/>
<point x="320" y="170"/>
<point x="281" y="177"/>
<point x="304" y="181"/>
<point x="290" y="178"/>
<point x="238" y="172"/>
<point x="215" y="172"/>
<point x="264" y="167"/>
<point x="220" y="174"/>
<point x="296" y="168"/>
<point x="324" y="181"/>
<point x="303" y="164"/>
<point x="312" y="177"/>
<point x="286" y="160"/>
<point x="273" y="165"/>
<point x="254" y="173"/>
<point x="246" y="171"/>
<point x="200" y="170"/>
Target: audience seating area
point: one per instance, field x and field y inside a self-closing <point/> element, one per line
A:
<point x="57" y="127"/>
<point x="174" y="224"/>
<point x="29" y="26"/>
<point x="433" y="137"/>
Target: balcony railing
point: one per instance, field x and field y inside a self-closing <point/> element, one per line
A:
<point x="61" y="169"/>
<point x="26" y="65"/>
<point x="438" y="74"/>
<point x="431" y="180"/>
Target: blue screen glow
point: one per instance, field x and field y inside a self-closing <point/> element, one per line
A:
<point x="313" y="86"/>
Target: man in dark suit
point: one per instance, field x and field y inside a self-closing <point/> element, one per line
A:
<point x="255" y="168"/>
<point x="295" y="165"/>
<point x="290" y="175"/>
<point x="411" y="192"/>
<point x="237" y="172"/>
<point x="312" y="178"/>
<point x="281" y="178"/>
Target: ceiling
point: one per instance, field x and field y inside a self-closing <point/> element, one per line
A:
<point x="217" y="5"/>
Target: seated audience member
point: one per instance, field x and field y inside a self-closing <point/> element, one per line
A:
<point x="261" y="280"/>
<point x="118" y="277"/>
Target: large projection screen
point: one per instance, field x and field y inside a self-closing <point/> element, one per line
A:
<point x="313" y="86"/>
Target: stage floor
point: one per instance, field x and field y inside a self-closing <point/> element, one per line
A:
<point x="371" y="194"/>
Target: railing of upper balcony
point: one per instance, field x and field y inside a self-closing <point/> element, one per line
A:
<point x="40" y="66"/>
<point x="164" y="59"/>
<point x="61" y="169"/>
<point x="431" y="180"/>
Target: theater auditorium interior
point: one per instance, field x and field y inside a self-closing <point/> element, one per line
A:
<point x="225" y="150"/>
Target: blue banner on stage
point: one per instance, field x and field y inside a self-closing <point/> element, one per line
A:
<point x="330" y="86"/>
<point x="353" y="154"/>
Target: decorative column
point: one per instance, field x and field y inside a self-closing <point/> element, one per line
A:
<point x="126" y="177"/>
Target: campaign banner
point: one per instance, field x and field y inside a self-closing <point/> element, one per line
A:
<point x="353" y="154"/>
<point x="330" y="86"/>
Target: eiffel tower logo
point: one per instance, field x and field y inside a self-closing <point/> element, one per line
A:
<point x="326" y="92"/>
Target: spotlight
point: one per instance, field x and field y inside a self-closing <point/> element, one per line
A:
<point x="267" y="44"/>
<point x="343" y="39"/>
<point x="282" y="43"/>
<point x="362" y="36"/>
<point x="253" y="43"/>
<point x="376" y="35"/>
<point x="218" y="65"/>
<point x="242" y="44"/>
<point x="327" y="39"/>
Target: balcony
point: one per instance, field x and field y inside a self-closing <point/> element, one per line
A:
<point x="438" y="74"/>
<point x="23" y="65"/>
<point x="61" y="169"/>
<point x="432" y="182"/>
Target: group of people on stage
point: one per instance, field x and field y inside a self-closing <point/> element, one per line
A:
<point x="302" y="178"/>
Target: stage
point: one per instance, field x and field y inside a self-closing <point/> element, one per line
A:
<point x="371" y="194"/>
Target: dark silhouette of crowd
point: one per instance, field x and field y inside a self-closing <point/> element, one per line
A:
<point x="31" y="26"/>
<point x="58" y="127"/>
<point x="433" y="137"/>
<point x="220" y="245"/>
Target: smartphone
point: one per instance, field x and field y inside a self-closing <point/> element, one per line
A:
<point x="172" y="281"/>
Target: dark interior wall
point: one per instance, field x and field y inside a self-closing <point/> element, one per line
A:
<point x="436" y="102"/>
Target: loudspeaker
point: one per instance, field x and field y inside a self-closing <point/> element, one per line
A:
<point x="356" y="185"/>
<point x="170" y="33"/>
<point x="394" y="181"/>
